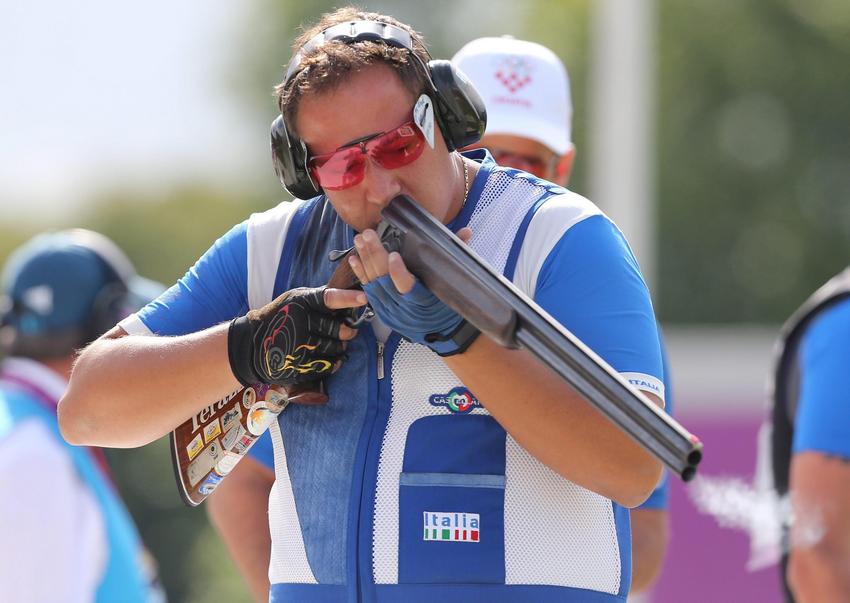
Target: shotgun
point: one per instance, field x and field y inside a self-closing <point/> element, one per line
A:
<point x="467" y="284"/>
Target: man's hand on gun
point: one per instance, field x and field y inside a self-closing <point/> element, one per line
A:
<point x="404" y="303"/>
<point x="300" y="336"/>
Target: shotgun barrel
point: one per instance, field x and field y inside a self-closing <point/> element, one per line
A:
<point x="467" y="284"/>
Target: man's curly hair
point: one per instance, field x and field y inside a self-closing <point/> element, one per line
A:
<point x="328" y="65"/>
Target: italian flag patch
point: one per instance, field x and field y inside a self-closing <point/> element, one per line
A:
<point x="451" y="527"/>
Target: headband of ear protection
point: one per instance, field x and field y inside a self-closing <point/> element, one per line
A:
<point x="458" y="108"/>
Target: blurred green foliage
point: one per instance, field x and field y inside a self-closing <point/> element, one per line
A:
<point x="753" y="150"/>
<point x="164" y="236"/>
<point x="752" y="181"/>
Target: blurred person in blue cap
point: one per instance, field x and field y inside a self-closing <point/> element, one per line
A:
<point x="526" y="90"/>
<point x="67" y="535"/>
<point x="806" y="453"/>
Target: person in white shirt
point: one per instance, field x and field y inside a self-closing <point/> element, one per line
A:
<point x="67" y="535"/>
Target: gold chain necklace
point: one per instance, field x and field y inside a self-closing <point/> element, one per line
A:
<point x="465" y="179"/>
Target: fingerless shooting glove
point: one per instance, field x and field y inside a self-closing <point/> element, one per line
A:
<point x="293" y="339"/>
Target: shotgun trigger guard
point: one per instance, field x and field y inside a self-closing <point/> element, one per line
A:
<point x="390" y="237"/>
<point x="336" y="255"/>
<point x="366" y="316"/>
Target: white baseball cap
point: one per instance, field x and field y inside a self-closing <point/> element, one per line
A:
<point x="525" y="88"/>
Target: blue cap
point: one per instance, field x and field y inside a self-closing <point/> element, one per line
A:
<point x="72" y="279"/>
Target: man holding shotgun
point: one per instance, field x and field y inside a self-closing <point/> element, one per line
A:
<point x="443" y="466"/>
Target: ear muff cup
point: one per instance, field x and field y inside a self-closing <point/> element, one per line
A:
<point x="108" y="309"/>
<point x="289" y="157"/>
<point x="459" y="109"/>
<point x="460" y="112"/>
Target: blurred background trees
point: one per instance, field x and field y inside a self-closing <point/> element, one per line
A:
<point x="753" y="150"/>
<point x="752" y="182"/>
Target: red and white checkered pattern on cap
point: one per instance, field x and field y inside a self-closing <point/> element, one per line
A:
<point x="514" y="73"/>
<point x="525" y="88"/>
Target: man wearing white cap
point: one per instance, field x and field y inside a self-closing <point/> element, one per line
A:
<point x="527" y="93"/>
<point x="526" y="90"/>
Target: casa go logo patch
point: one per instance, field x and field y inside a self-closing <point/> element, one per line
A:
<point x="459" y="400"/>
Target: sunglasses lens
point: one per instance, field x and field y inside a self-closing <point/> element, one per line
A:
<point x="339" y="170"/>
<point x="532" y="165"/>
<point x="346" y="167"/>
<point x="398" y="147"/>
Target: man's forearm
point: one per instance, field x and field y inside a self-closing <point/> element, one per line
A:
<point x="819" y="559"/>
<point x="239" y="511"/>
<point x="816" y="575"/>
<point x="130" y="391"/>
<point x="650" y="534"/>
<point x="555" y="424"/>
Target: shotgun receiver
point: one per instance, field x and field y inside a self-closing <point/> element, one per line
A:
<point x="467" y="284"/>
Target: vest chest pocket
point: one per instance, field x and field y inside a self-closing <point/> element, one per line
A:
<point x="451" y="502"/>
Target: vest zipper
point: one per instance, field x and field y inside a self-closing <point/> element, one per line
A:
<point x="380" y="366"/>
<point x="364" y="585"/>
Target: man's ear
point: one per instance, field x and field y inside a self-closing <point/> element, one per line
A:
<point x="564" y="167"/>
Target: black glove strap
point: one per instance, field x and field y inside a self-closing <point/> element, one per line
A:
<point x="462" y="336"/>
<point x="240" y="351"/>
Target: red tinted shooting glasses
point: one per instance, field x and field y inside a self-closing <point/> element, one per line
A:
<point x="346" y="166"/>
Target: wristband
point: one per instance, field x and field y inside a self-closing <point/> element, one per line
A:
<point x="239" y="345"/>
<point x="457" y="342"/>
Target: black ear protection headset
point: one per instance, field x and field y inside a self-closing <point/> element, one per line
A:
<point x="111" y="304"/>
<point x="458" y="108"/>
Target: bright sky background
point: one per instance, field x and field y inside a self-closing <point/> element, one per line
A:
<point x="96" y="92"/>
